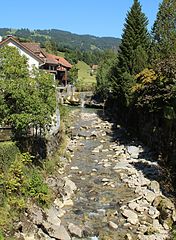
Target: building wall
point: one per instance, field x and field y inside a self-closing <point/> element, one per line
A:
<point x="32" y="62"/>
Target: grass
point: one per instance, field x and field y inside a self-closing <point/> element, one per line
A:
<point x="85" y="80"/>
<point x="60" y="54"/>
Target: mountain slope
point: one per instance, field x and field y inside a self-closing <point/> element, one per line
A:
<point x="65" y="39"/>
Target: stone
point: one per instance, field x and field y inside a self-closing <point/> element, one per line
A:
<point x="132" y="205"/>
<point x="154" y="186"/>
<point x="68" y="202"/>
<point x="131" y="216"/>
<point x="94" y="170"/>
<point x="75" y="230"/>
<point x="36" y="214"/>
<point x="113" y="225"/>
<point x="167" y="210"/>
<point x="69" y="188"/>
<point x="122" y="166"/>
<point x="74" y="168"/>
<point x="101" y="212"/>
<point x="149" y="196"/>
<point x="105" y="180"/>
<point x="58" y="203"/>
<point x="41" y="235"/>
<point x="133" y="151"/>
<point x="58" y="232"/>
<point x="153" y="212"/>
<point x="128" y="236"/>
<point x="52" y="216"/>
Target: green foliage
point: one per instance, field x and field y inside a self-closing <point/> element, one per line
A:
<point x="26" y="100"/>
<point x="132" y="57"/>
<point x="8" y="153"/>
<point x="73" y="74"/>
<point x="12" y="66"/>
<point x="135" y="42"/>
<point x="164" y="34"/>
<point x="51" y="46"/>
<point x="65" y="40"/>
<point x="104" y="75"/>
<point x="37" y="189"/>
<point x="20" y="182"/>
<point x="1" y="236"/>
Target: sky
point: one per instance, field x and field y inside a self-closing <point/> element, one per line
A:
<point x="94" y="17"/>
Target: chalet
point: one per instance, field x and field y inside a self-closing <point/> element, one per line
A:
<point x="37" y="57"/>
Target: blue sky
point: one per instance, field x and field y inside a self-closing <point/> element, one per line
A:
<point x="95" y="17"/>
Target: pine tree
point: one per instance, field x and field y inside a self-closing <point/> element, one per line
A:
<point x="135" y="41"/>
<point x="133" y="54"/>
<point x="164" y="29"/>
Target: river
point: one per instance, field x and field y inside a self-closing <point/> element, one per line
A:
<point x="116" y="183"/>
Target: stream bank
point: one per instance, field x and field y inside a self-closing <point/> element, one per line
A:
<point x="108" y="190"/>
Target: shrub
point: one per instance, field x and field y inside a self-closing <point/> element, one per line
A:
<point x="8" y="153"/>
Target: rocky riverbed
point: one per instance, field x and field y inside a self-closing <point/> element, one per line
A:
<point x="109" y="190"/>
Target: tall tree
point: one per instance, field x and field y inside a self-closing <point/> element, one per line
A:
<point x="164" y="29"/>
<point x="135" y="41"/>
<point x="133" y="53"/>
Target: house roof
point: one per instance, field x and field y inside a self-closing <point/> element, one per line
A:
<point x="37" y="52"/>
<point x="62" y="61"/>
<point x="21" y="45"/>
<point x="51" y="59"/>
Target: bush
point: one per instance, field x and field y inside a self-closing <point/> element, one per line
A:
<point x="8" y="153"/>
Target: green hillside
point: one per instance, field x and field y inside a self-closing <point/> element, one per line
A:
<point x="85" y="80"/>
<point x="65" y="39"/>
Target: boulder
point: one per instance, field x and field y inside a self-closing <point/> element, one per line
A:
<point x="154" y="186"/>
<point x="166" y="209"/>
<point x="133" y="151"/>
<point x="75" y="230"/>
<point x="131" y="216"/>
<point x="52" y="216"/>
<point x="58" y="232"/>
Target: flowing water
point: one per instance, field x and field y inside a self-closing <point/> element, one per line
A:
<point x="101" y="192"/>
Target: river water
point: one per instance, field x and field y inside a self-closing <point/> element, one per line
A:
<point x="101" y="192"/>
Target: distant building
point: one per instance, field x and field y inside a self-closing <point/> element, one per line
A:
<point x="40" y="59"/>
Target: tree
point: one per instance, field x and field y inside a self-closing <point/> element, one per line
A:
<point x="104" y="75"/>
<point x="28" y="100"/>
<point x="164" y="29"/>
<point x="135" y="41"/>
<point x="133" y="53"/>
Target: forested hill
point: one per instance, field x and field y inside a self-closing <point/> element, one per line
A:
<point x="65" y="39"/>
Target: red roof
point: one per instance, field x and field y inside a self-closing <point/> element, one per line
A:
<point x="62" y="61"/>
<point x="51" y="59"/>
<point x="36" y="51"/>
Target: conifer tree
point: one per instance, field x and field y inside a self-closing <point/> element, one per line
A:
<point x="133" y="56"/>
<point x="164" y="29"/>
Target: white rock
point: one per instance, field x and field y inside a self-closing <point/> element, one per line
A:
<point x="154" y="186"/>
<point x="131" y="216"/>
<point x="75" y="168"/>
<point x="68" y="202"/>
<point x="128" y="237"/>
<point x="113" y="225"/>
<point x="105" y="180"/>
<point x="149" y="196"/>
<point x="133" y="151"/>
<point x="132" y="205"/>
<point x="75" y="230"/>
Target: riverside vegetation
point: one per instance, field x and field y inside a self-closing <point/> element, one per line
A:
<point x="138" y="86"/>
<point x="139" y="83"/>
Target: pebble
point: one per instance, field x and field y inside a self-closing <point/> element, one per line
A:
<point x="113" y="225"/>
